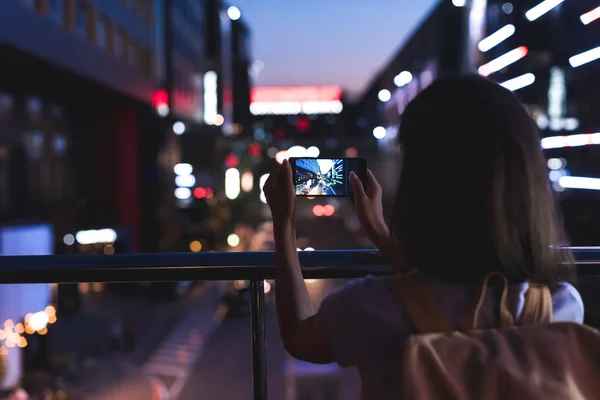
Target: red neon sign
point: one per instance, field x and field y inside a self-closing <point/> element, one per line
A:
<point x="299" y="94"/>
<point x="160" y="97"/>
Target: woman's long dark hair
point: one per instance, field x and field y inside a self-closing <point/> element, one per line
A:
<point x="474" y="195"/>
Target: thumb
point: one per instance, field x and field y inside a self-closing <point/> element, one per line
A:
<point x="287" y="174"/>
<point x="357" y="187"/>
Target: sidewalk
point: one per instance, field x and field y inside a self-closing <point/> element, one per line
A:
<point x="80" y="345"/>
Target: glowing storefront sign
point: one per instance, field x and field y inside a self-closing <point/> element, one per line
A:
<point x="296" y="100"/>
<point x="210" y="97"/>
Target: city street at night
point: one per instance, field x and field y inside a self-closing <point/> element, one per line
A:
<point x="137" y="138"/>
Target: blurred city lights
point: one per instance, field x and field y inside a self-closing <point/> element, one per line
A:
<point x="160" y="101"/>
<point x="271" y="152"/>
<point x="183" y="193"/>
<point x="590" y="16"/>
<point x="281" y="156"/>
<point x="585" y="57"/>
<point x="519" y="82"/>
<point x="233" y="240"/>
<point x="219" y="120"/>
<point x="254" y="149"/>
<point x="185" y="180"/>
<point x="240" y="284"/>
<point x="351" y="152"/>
<point x="200" y="193"/>
<point x="558" y="142"/>
<point x="507" y="8"/>
<point x="179" y="128"/>
<point x="247" y="181"/>
<point x="318" y="210"/>
<point x="503" y="61"/>
<point x="69" y="239"/>
<point x="211" y="101"/>
<point x="556" y="163"/>
<point x="296" y="100"/>
<point x="541" y="9"/>
<point x="234" y="13"/>
<point x="38" y="321"/>
<point x="578" y="182"/>
<point x="459" y="3"/>
<point x="403" y="78"/>
<point x="232" y="183"/>
<point x="108" y="249"/>
<point x="379" y="132"/>
<point x="384" y="95"/>
<point x="162" y="110"/>
<point x="195" y="246"/>
<point x="328" y="210"/>
<point x="267" y="287"/>
<point x="496" y="38"/>
<point x="209" y="193"/>
<point x="183" y="169"/>
<point x="96" y="236"/>
<point x="296" y="151"/>
<point x="232" y="161"/>
<point x="309" y="249"/>
<point x="261" y="184"/>
<point x="556" y="174"/>
<point x="313" y="151"/>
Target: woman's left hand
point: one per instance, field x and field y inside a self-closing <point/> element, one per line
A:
<point x="281" y="195"/>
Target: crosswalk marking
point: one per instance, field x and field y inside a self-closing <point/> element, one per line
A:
<point x="178" y="354"/>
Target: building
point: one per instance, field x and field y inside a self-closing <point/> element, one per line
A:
<point x="439" y="46"/>
<point x="78" y="134"/>
<point x="544" y="51"/>
<point x="547" y="53"/>
<point x="220" y="142"/>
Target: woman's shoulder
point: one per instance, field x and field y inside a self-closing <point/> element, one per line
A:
<point x="567" y="303"/>
<point x="355" y="290"/>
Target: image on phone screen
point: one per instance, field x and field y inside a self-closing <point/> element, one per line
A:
<point x="325" y="176"/>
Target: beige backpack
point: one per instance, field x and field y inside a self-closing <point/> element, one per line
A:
<point x="532" y="359"/>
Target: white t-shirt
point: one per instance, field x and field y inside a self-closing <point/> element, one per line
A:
<point x="367" y="328"/>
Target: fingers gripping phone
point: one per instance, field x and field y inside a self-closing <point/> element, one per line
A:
<point x="326" y="176"/>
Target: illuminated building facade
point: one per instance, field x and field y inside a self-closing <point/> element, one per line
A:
<point x="76" y="120"/>
<point x="211" y="177"/>
<point x="438" y="47"/>
<point x="548" y="53"/>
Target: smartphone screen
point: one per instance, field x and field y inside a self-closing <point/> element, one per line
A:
<point x="326" y="176"/>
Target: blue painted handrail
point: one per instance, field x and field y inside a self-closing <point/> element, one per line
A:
<point x="211" y="266"/>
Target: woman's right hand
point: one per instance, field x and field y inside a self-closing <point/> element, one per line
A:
<point x="368" y="204"/>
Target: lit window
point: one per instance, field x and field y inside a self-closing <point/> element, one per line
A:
<point x="133" y="54"/>
<point x="56" y="10"/>
<point x="34" y="108"/>
<point x="102" y="32"/>
<point x="34" y="145"/>
<point x="59" y="143"/>
<point x="81" y="24"/>
<point x="149" y="11"/>
<point x="119" y="45"/>
<point x="29" y="3"/>
<point x="6" y="106"/>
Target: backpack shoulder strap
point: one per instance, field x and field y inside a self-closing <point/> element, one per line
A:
<point x="423" y="309"/>
<point x="538" y="305"/>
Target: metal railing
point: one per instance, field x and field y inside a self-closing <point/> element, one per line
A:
<point x="252" y="266"/>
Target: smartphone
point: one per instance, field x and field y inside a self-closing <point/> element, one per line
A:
<point x="326" y="176"/>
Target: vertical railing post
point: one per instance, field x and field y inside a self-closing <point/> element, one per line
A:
<point x="259" y="360"/>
